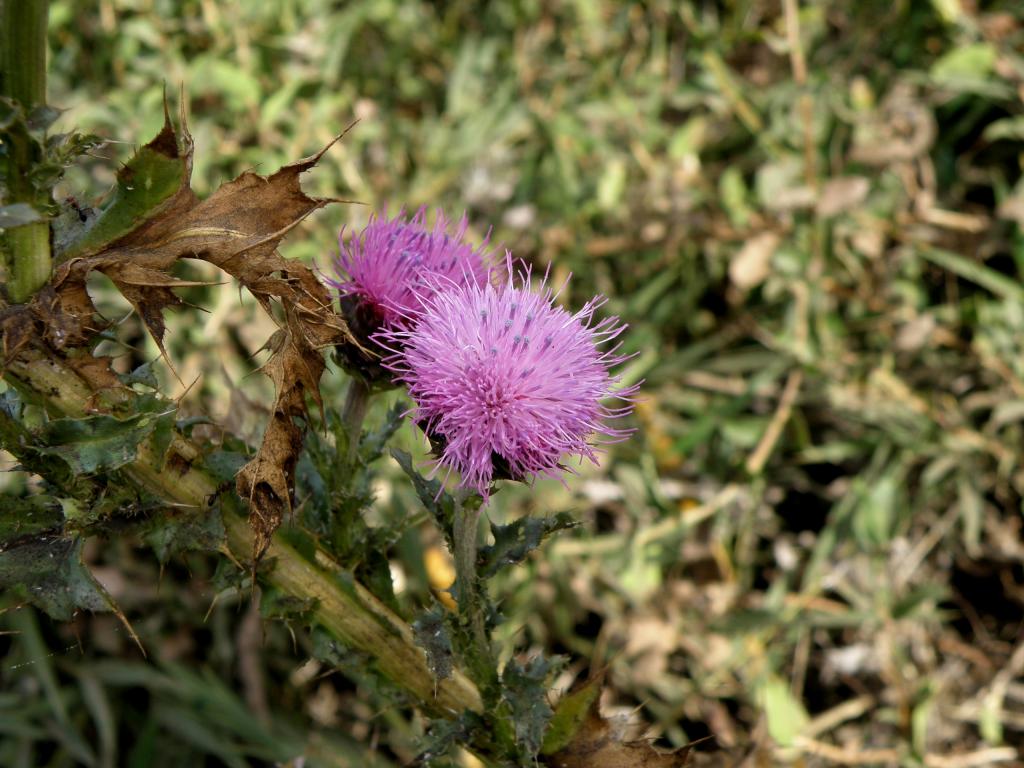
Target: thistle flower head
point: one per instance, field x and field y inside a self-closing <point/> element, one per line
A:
<point x="507" y="381"/>
<point x="394" y="263"/>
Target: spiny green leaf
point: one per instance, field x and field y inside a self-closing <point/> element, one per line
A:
<point x="42" y="117"/>
<point x="445" y="734"/>
<point x="10" y="403"/>
<point x="374" y="571"/>
<point x="95" y="443"/>
<point x="513" y="542"/>
<point x="47" y="569"/>
<point x="525" y="692"/>
<point x="25" y="517"/>
<point x="65" y="148"/>
<point x="163" y="436"/>
<point x="224" y="465"/>
<point x="9" y="113"/>
<point x="438" y="502"/>
<point x="143" y="375"/>
<point x="229" y="577"/>
<point x="44" y="175"/>
<point x="15" y="438"/>
<point x="358" y="666"/>
<point x="373" y="442"/>
<point x="275" y="604"/>
<point x="312" y="489"/>
<point x="432" y="636"/>
<point x="202" y="532"/>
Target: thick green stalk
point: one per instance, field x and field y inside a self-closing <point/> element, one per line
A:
<point x="29" y="265"/>
<point x="24" y="50"/>
<point x="346" y="609"/>
<point x="465" y="532"/>
<point x="23" y="79"/>
<point x="357" y="400"/>
<point x="479" y="655"/>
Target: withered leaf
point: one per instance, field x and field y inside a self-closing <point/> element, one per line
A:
<point x="154" y="219"/>
<point x="152" y="189"/>
<point x="95" y="370"/>
<point x="295" y="368"/>
<point x="585" y="739"/>
<point x="16" y="330"/>
<point x="151" y="185"/>
<point x="268" y="479"/>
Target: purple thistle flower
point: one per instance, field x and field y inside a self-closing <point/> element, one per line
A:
<point x="507" y="381"/>
<point x="394" y="263"/>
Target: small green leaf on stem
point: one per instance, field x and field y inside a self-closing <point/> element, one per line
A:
<point x="579" y="737"/>
<point x="374" y="442"/>
<point x="21" y="518"/>
<point x="202" y="531"/>
<point x="513" y="542"/>
<point x="432" y="636"/>
<point x="96" y="443"/>
<point x="438" y="502"/>
<point x="569" y="716"/>
<point x="48" y="570"/>
<point x="524" y="690"/>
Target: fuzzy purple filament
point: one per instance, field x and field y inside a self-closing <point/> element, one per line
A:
<point x="503" y="371"/>
<point x="394" y="263"/>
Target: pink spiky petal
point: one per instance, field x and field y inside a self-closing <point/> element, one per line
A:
<point x="505" y="379"/>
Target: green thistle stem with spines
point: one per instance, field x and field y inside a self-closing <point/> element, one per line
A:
<point x="23" y="79"/>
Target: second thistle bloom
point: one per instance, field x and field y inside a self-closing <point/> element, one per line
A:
<point x="393" y="263"/>
<point x="507" y="381"/>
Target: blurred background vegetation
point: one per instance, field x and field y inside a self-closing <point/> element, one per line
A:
<point x="812" y="217"/>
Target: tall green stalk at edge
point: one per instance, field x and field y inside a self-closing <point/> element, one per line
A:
<point x="23" y="79"/>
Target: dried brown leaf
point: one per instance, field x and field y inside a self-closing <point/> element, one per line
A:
<point x="238" y="229"/>
<point x="16" y="330"/>
<point x="295" y="367"/>
<point x="595" y="744"/>
<point x="96" y="370"/>
<point x="266" y="481"/>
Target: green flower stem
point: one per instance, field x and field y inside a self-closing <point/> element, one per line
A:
<point x="480" y="661"/>
<point x="29" y="265"/>
<point x="23" y="78"/>
<point x="467" y="521"/>
<point x="357" y="400"/>
<point x="24" y="50"/>
<point x="346" y="609"/>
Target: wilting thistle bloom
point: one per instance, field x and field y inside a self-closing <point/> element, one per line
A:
<point x="506" y="382"/>
<point x="393" y="263"/>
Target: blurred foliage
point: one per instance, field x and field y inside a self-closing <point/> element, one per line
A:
<point x="814" y="225"/>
